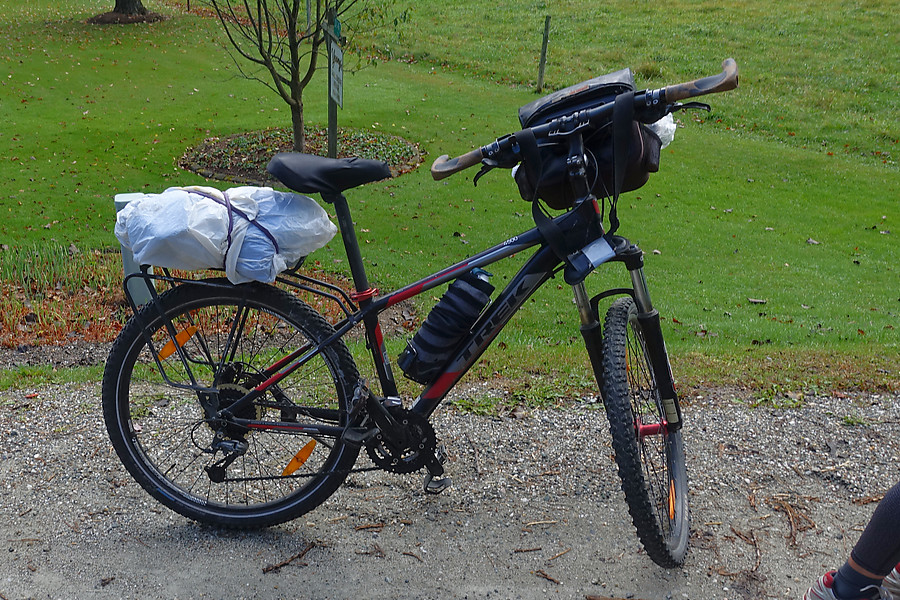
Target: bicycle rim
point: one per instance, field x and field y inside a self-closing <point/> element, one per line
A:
<point x="159" y="422"/>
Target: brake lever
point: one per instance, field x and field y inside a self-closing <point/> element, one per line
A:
<point x="487" y="165"/>
<point x="688" y="105"/>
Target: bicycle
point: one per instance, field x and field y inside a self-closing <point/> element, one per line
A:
<point x="241" y="405"/>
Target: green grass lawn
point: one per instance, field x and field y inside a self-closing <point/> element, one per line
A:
<point x="818" y="74"/>
<point x="787" y="193"/>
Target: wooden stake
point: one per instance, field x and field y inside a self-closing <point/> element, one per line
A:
<point x="540" y="84"/>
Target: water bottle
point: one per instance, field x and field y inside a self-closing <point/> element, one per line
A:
<point x="447" y="323"/>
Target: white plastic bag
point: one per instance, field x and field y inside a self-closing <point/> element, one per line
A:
<point x="264" y="233"/>
<point x="298" y="225"/>
<point x="665" y="129"/>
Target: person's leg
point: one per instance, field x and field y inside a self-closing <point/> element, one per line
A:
<point x="851" y="579"/>
<point x="876" y="553"/>
<point x="878" y="548"/>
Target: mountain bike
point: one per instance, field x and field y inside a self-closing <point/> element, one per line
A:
<point x="242" y="406"/>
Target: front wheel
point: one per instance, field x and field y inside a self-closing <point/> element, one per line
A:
<point x="160" y="404"/>
<point x="649" y="456"/>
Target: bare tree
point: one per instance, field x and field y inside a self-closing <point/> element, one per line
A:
<point x="284" y="40"/>
<point x="126" y="12"/>
<point x="130" y="7"/>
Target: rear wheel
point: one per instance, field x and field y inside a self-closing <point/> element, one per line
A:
<point x="650" y="458"/>
<point x="161" y="422"/>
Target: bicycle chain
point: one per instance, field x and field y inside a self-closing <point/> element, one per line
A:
<point x="385" y="457"/>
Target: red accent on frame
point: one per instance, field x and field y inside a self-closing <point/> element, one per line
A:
<point x="440" y="387"/>
<point x="401" y="296"/>
<point x="285" y="360"/>
<point x="262" y="387"/>
<point x="417" y="289"/>
<point x="364" y="295"/>
<point x="277" y="426"/>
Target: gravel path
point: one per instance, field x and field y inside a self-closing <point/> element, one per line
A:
<point x="535" y="512"/>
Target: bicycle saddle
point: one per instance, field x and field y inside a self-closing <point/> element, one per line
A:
<point x="309" y="174"/>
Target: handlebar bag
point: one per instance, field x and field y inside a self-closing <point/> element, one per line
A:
<point x="548" y="180"/>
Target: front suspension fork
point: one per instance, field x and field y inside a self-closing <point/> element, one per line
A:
<point x="590" y="331"/>
<point x="648" y="319"/>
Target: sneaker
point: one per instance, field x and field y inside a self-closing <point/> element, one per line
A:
<point x="892" y="584"/>
<point x="821" y="590"/>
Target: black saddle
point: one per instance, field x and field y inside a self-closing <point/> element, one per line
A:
<point x="309" y="174"/>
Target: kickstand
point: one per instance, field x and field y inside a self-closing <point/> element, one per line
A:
<point x="434" y="483"/>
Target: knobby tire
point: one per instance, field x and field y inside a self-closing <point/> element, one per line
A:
<point x="162" y="433"/>
<point x="651" y="467"/>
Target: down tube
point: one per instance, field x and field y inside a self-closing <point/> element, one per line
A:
<point x="529" y="278"/>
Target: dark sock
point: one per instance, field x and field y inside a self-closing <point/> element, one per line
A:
<point x="849" y="583"/>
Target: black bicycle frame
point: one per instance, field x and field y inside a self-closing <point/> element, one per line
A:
<point x="581" y="222"/>
<point x="538" y="269"/>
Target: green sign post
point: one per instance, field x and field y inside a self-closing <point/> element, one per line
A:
<point x="335" y="81"/>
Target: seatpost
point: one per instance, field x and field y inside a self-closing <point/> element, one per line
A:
<point x="364" y="293"/>
<point x="351" y="244"/>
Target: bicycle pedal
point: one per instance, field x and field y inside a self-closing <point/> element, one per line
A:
<point x="436" y="486"/>
<point x="434" y="482"/>
<point x="359" y="436"/>
<point x="441" y="454"/>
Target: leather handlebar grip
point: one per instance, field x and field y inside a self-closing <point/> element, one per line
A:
<point x="724" y="81"/>
<point x="444" y="166"/>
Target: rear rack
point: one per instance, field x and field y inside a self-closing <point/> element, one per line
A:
<point x="290" y="278"/>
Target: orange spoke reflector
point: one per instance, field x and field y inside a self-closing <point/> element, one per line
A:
<point x="671" y="500"/>
<point x="181" y="339"/>
<point x="301" y="457"/>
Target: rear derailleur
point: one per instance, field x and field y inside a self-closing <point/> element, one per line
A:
<point x="232" y="450"/>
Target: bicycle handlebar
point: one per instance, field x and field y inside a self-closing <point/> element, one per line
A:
<point x="724" y="81"/>
<point x="444" y="166"/>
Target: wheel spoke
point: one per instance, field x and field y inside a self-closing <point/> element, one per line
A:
<point x="181" y="450"/>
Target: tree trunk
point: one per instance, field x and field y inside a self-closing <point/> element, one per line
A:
<point x="297" y="124"/>
<point x="130" y="7"/>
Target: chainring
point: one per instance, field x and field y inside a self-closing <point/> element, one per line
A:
<point x="417" y="451"/>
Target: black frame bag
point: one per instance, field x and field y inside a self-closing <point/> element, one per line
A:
<point x="620" y="155"/>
